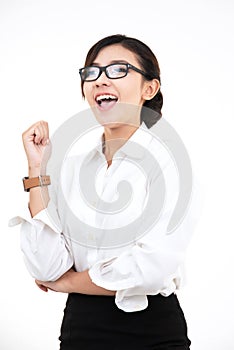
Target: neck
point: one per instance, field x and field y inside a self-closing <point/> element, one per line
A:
<point x="115" y="138"/>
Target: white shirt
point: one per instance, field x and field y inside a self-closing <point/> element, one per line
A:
<point x="124" y="248"/>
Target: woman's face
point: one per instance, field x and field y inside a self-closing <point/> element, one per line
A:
<point x="123" y="93"/>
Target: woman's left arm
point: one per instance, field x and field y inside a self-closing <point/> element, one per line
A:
<point x="74" y="282"/>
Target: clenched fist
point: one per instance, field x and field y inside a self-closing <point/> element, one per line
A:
<point x="35" y="140"/>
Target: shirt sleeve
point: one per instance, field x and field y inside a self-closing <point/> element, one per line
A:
<point x="45" y="250"/>
<point x="153" y="265"/>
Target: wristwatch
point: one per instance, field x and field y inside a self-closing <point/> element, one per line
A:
<point x="30" y="182"/>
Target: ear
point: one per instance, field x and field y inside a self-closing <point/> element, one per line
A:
<point x="150" y="89"/>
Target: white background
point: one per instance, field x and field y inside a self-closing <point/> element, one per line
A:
<point x="42" y="45"/>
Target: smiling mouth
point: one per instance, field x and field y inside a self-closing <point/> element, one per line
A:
<point x="106" y="101"/>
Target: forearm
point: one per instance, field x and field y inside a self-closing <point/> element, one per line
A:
<point x="38" y="196"/>
<point x="83" y="284"/>
<point x="75" y="282"/>
<point x="36" y="141"/>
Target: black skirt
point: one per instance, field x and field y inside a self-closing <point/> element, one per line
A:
<point x="95" y="322"/>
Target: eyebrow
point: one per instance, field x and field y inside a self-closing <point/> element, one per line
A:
<point x="111" y="62"/>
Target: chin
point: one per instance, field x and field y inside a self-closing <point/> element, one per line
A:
<point x="111" y="118"/>
<point x="114" y="125"/>
<point x="118" y="116"/>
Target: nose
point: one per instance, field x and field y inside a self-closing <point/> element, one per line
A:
<point x="102" y="79"/>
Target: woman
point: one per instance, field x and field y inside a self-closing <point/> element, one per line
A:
<point x="122" y="297"/>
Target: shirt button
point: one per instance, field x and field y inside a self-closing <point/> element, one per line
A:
<point x="91" y="237"/>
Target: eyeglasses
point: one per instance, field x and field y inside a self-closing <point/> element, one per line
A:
<point x="112" y="71"/>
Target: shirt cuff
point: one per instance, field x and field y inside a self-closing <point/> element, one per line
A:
<point x="48" y="216"/>
<point x="103" y="275"/>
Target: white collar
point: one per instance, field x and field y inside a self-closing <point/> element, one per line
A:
<point x="134" y="147"/>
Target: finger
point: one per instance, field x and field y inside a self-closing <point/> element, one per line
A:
<point x="37" y="133"/>
<point x="29" y="134"/>
<point x="40" y="133"/>
<point x="45" y="130"/>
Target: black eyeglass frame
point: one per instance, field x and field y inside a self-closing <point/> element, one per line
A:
<point x="103" y="69"/>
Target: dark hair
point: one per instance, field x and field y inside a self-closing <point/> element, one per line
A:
<point x="148" y="63"/>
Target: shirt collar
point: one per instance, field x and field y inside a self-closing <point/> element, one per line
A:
<point x="135" y="146"/>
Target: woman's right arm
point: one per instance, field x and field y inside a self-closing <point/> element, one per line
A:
<point x="46" y="253"/>
<point x="35" y="141"/>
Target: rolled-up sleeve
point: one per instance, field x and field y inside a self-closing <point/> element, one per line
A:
<point x="46" y="253"/>
<point x="135" y="274"/>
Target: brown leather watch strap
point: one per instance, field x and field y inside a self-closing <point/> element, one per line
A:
<point x="30" y="182"/>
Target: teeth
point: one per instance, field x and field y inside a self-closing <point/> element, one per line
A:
<point x="105" y="97"/>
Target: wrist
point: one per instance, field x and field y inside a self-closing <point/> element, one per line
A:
<point x="73" y="281"/>
<point x="34" y="171"/>
<point x="36" y="181"/>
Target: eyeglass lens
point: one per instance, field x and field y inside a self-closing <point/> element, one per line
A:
<point x="113" y="71"/>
